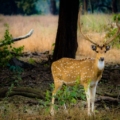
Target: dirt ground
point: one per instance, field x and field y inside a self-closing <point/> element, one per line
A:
<point x="21" y="105"/>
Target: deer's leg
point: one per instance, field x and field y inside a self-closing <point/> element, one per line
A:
<point x="58" y="85"/>
<point x="87" y="91"/>
<point x="65" y="108"/>
<point x="93" y="93"/>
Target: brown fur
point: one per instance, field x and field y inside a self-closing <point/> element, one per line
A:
<point x="86" y="71"/>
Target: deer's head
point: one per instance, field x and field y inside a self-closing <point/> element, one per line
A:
<point x="100" y="49"/>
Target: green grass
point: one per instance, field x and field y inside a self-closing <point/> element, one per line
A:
<point x="96" y="22"/>
<point x="74" y="113"/>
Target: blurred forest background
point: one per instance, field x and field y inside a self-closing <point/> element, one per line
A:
<point x="26" y="82"/>
<point x="29" y="7"/>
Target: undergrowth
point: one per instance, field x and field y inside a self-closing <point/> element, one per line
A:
<point x="68" y="95"/>
<point x="7" y="51"/>
<point x="101" y="23"/>
<point x="112" y="31"/>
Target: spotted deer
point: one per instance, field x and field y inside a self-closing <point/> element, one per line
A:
<point x="89" y="71"/>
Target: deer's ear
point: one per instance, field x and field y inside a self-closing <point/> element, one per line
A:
<point x="93" y="47"/>
<point x="107" y="47"/>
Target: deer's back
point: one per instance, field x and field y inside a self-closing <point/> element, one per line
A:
<point x="70" y="70"/>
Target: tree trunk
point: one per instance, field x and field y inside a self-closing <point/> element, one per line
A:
<point x="118" y="5"/>
<point x="53" y="7"/>
<point x="66" y="38"/>
<point x="92" y="6"/>
<point x="85" y="6"/>
<point x="114" y="6"/>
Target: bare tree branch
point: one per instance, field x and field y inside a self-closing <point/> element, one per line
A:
<point x="19" y="38"/>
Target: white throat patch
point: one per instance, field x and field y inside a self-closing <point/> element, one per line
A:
<point x="101" y="64"/>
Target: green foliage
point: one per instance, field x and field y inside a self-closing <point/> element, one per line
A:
<point x="102" y="25"/>
<point x="116" y="17"/>
<point x="8" y="51"/>
<point x="26" y="6"/>
<point x="53" y="46"/>
<point x="70" y="95"/>
<point x="31" y="61"/>
<point x="16" y="76"/>
<point x="67" y="95"/>
<point x="112" y="31"/>
<point x="90" y="24"/>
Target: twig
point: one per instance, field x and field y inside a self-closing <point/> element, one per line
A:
<point x="107" y="98"/>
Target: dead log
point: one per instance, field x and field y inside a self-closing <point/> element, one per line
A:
<point x="23" y="91"/>
<point x="19" y="38"/>
<point x="111" y="95"/>
<point x="106" y="98"/>
<point x="115" y="95"/>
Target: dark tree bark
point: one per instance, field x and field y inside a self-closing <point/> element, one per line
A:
<point x="53" y="8"/>
<point x="114" y="6"/>
<point x="85" y="6"/>
<point x="8" y="7"/>
<point x="92" y="6"/>
<point x="66" y="38"/>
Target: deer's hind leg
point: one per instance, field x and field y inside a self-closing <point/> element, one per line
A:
<point x="57" y="86"/>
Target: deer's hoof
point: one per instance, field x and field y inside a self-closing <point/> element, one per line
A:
<point x="52" y="112"/>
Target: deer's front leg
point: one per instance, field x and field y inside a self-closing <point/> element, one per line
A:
<point x="93" y="87"/>
<point x="87" y="91"/>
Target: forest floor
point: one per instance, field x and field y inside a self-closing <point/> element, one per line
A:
<point x="28" y="94"/>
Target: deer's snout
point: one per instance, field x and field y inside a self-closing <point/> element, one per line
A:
<point x="102" y="59"/>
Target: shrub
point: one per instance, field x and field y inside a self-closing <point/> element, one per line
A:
<point x="7" y="51"/>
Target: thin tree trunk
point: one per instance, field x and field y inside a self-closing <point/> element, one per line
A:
<point x="53" y="7"/>
<point x="114" y="6"/>
<point x="91" y="6"/>
<point x="85" y="6"/>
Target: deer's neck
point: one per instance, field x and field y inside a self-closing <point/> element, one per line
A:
<point x="99" y="65"/>
<point x="98" y="68"/>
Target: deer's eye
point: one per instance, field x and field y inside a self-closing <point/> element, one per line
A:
<point x="96" y="51"/>
<point x="105" y="51"/>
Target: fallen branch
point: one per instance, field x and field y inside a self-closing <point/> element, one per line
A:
<point x="23" y="91"/>
<point x="19" y="38"/>
<point x="111" y="95"/>
<point x="106" y="98"/>
<point x="108" y="94"/>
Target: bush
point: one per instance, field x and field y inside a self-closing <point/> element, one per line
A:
<point x="8" y="52"/>
<point x="112" y="31"/>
